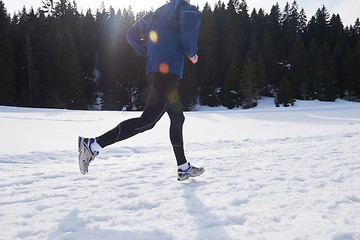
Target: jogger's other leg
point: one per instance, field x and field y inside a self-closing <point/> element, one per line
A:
<point x="155" y="108"/>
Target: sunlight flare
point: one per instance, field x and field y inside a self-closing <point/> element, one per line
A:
<point x="164" y="68"/>
<point x="153" y="36"/>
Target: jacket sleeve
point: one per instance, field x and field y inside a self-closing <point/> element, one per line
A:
<point x="190" y="20"/>
<point x="136" y="34"/>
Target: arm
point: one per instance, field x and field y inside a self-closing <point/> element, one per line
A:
<point x="136" y="35"/>
<point x="190" y="22"/>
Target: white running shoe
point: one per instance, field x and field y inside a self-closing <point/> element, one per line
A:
<point x="190" y="172"/>
<point x="86" y="156"/>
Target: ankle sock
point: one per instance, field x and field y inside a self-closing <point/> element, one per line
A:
<point x="95" y="147"/>
<point x="184" y="166"/>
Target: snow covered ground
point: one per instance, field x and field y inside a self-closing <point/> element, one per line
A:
<point x="271" y="173"/>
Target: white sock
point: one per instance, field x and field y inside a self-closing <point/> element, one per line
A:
<point x="95" y="147"/>
<point x="184" y="166"/>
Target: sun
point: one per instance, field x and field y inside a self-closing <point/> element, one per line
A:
<point x="136" y="5"/>
<point x="146" y="5"/>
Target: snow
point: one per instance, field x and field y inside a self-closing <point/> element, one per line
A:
<point x="271" y="173"/>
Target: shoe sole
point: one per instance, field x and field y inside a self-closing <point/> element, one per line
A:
<point x="80" y="144"/>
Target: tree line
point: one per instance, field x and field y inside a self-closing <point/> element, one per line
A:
<point x="58" y="57"/>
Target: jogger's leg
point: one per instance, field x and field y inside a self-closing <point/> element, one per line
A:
<point x="131" y="127"/>
<point x="157" y="104"/>
<point x="177" y="119"/>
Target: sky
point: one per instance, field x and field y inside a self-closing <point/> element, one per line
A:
<point x="347" y="9"/>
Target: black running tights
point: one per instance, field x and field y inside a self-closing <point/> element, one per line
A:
<point x="163" y="97"/>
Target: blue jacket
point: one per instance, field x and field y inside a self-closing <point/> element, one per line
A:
<point x="165" y="35"/>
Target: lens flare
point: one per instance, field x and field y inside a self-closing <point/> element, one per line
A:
<point x="173" y="96"/>
<point x="153" y="36"/>
<point x="164" y="68"/>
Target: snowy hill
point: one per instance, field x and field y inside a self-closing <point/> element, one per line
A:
<point x="271" y="173"/>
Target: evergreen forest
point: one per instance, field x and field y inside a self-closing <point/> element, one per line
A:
<point x="59" y="57"/>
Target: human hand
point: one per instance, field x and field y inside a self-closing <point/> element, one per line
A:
<point x="194" y="59"/>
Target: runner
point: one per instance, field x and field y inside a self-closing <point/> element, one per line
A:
<point x="163" y="37"/>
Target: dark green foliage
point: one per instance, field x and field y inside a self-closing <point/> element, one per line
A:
<point x="350" y="70"/>
<point x="188" y="90"/>
<point x="252" y="77"/>
<point x="325" y="75"/>
<point x="229" y="97"/>
<point x="247" y="84"/>
<point x="210" y="69"/>
<point x="285" y="95"/>
<point x="7" y="60"/>
<point x="357" y="71"/>
<point x="60" y="58"/>
<point x="298" y="69"/>
<point x="63" y="68"/>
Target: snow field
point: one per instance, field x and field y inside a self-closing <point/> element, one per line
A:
<point x="271" y="173"/>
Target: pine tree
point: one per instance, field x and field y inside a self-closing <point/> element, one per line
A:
<point x="60" y="8"/>
<point x="270" y="63"/>
<point x="336" y="32"/>
<point x="18" y="39"/>
<point x="298" y="67"/>
<point x="285" y="95"/>
<point x="63" y="72"/>
<point x="40" y="32"/>
<point x="274" y="28"/>
<point x="131" y="71"/>
<point x="208" y="66"/>
<point x="353" y="33"/>
<point x="211" y="94"/>
<point x="274" y="25"/>
<point x="290" y="19"/>
<point x="33" y="49"/>
<point x="233" y="29"/>
<point x="357" y="73"/>
<point x="86" y="45"/>
<point x="302" y="24"/>
<point x="7" y="60"/>
<point x="101" y="43"/>
<point x="108" y="53"/>
<point x="247" y="84"/>
<point x="256" y="57"/>
<point x="349" y="74"/>
<point x="318" y="26"/>
<point x="261" y="84"/>
<point x="252" y="81"/>
<point x="325" y="76"/>
<point x="257" y="25"/>
<point x="338" y="54"/>
<point x="229" y="97"/>
<point x="243" y="26"/>
<point x="48" y="7"/>
<point x="312" y="66"/>
<point x="33" y="77"/>
<point x="188" y="90"/>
